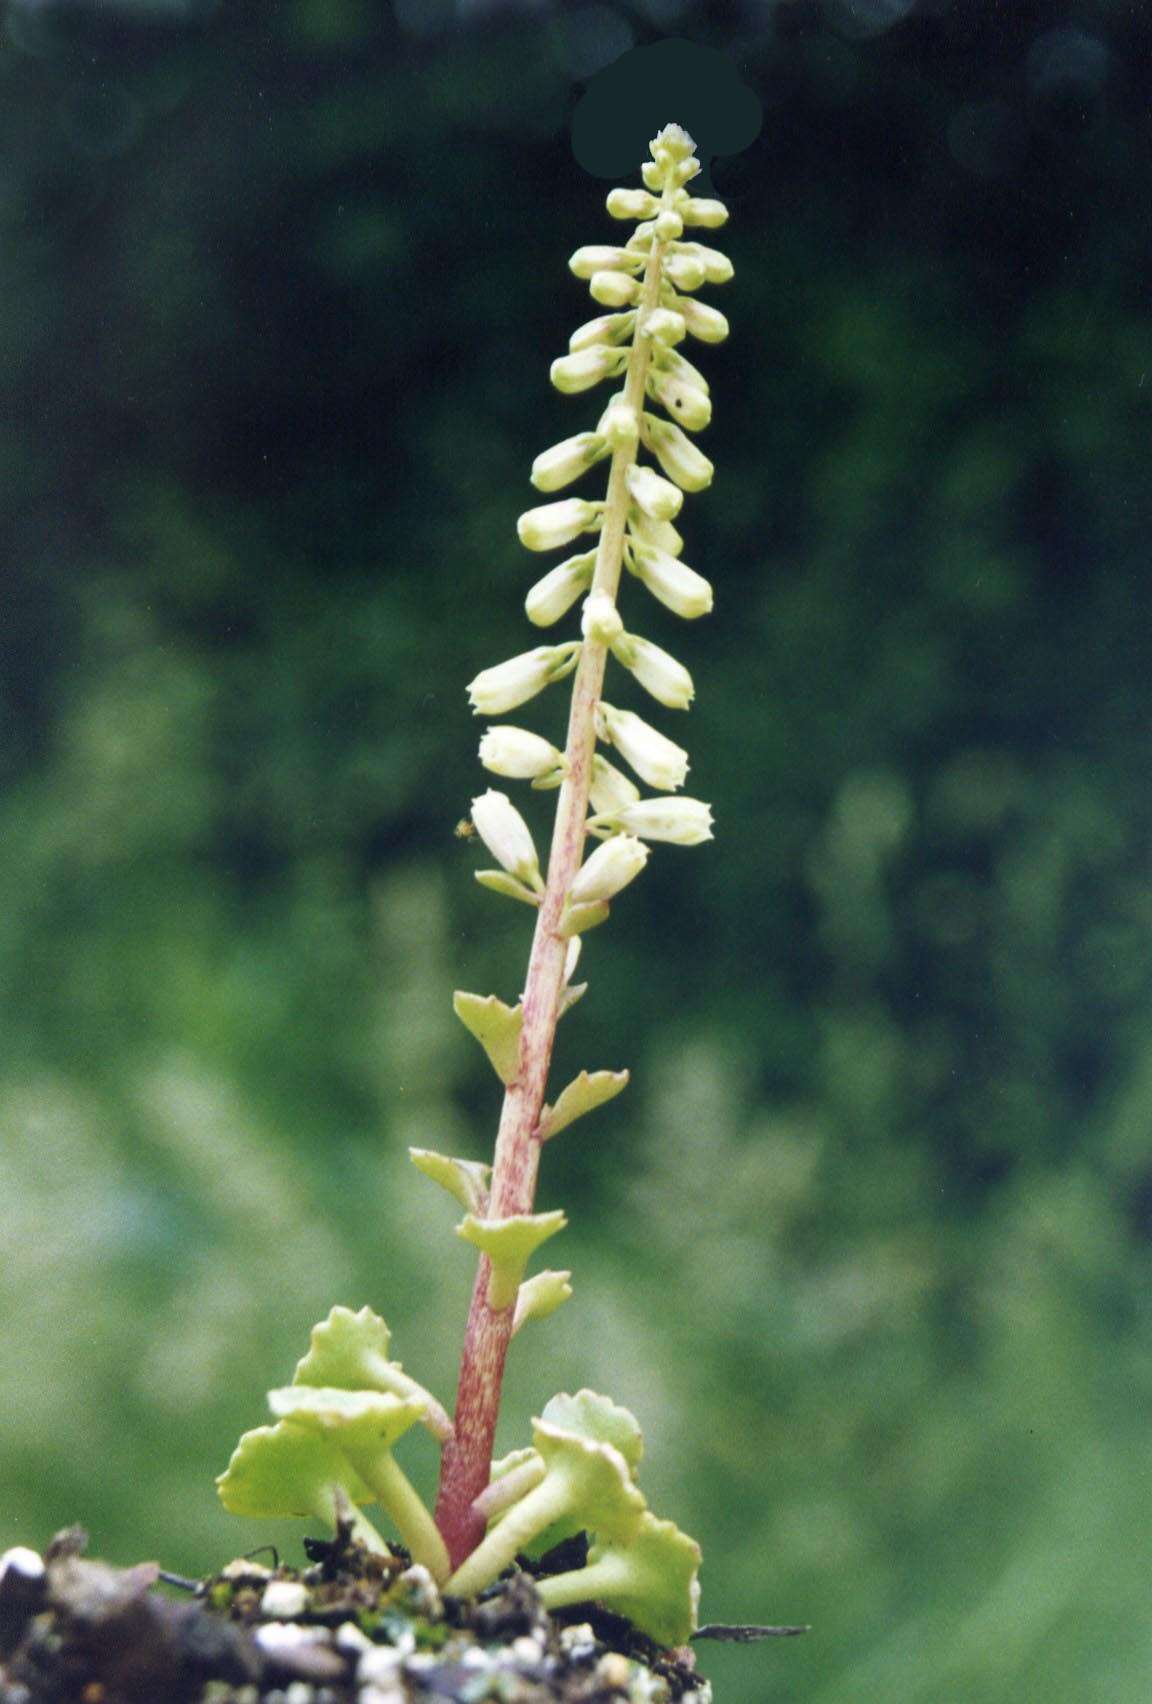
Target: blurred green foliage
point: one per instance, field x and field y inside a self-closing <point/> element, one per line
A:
<point x="281" y="284"/>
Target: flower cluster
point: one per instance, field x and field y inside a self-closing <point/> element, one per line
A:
<point x="649" y="281"/>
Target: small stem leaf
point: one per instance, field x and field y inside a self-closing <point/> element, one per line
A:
<point x="465" y="1180"/>
<point x="509" y="1244"/>
<point x="584" y="1094"/>
<point x="495" y="1026"/>
<point x="512" y="1478"/>
<point x="540" y="1296"/>
<point x="571" y="996"/>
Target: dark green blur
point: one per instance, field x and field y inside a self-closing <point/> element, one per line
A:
<point x="866" y="1244"/>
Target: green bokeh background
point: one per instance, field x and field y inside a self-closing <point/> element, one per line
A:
<point x="866" y="1244"/>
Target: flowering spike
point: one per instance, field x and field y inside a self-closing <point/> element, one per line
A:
<point x="646" y="283"/>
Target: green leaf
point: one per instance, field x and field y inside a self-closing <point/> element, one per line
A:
<point x="496" y="1027"/>
<point x="584" y="1094"/>
<point x="650" y="1577"/>
<point x="465" y="1180"/>
<point x="509" y="1244"/>
<point x="349" y="1351"/>
<point x="597" y="1417"/>
<point x="540" y="1296"/>
<point x="284" y="1470"/>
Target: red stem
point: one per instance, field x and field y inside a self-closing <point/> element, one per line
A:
<point x="465" y="1467"/>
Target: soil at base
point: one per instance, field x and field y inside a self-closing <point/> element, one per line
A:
<point x="351" y="1628"/>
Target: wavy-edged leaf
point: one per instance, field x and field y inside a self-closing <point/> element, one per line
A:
<point x="584" y="1094"/>
<point x="349" y="1351"/>
<point x="496" y="1027"/>
<point x="597" y="1417"/>
<point x="465" y="1180"/>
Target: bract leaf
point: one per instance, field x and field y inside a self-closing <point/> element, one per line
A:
<point x="496" y="1027"/>
<point x="509" y="1244"/>
<point x="579" y="918"/>
<point x="465" y="1180"/>
<point x="349" y="1351"/>
<point x="540" y="1296"/>
<point x="586" y="1092"/>
<point x="597" y="1417"/>
<point x="499" y="881"/>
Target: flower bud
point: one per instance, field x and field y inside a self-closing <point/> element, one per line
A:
<point x="718" y="269"/>
<point x="631" y="204"/>
<point x="605" y="328"/>
<point x="652" y="174"/>
<point x="585" y="368"/>
<point x="601" y="621"/>
<point x="699" y="210"/>
<point x="675" y="142"/>
<point x="708" y="324"/>
<point x="613" y="289"/>
<point x="657" y="671"/>
<point x="554" y="595"/>
<point x="641" y="239"/>
<point x="660" y="533"/>
<point x="656" y="759"/>
<point x="507" y="836"/>
<point x="658" y="497"/>
<point x="678" y="365"/>
<point x="566" y="461"/>
<point x="507" y="685"/>
<point x="611" y="867"/>
<point x="518" y="754"/>
<point x="619" y="423"/>
<point x="684" y="270"/>
<point x="691" y="407"/>
<point x="664" y="325"/>
<point x="682" y="822"/>
<point x="667" y="226"/>
<point x="677" y="586"/>
<point x="553" y="524"/>
<point x="601" y="257"/>
<point x="610" y="789"/>
<point x="677" y="454"/>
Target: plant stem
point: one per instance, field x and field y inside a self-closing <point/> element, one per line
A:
<point x="466" y="1462"/>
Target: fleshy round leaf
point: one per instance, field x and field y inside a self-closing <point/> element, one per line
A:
<point x="495" y="1026"/>
<point x="363" y="1417"/>
<point x="285" y="1470"/>
<point x="465" y="1180"/>
<point x="590" y="1415"/>
<point x="584" y="1094"/>
<point x="349" y="1351"/>
<point x="650" y="1578"/>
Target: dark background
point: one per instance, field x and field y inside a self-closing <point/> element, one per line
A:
<point x="866" y="1244"/>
